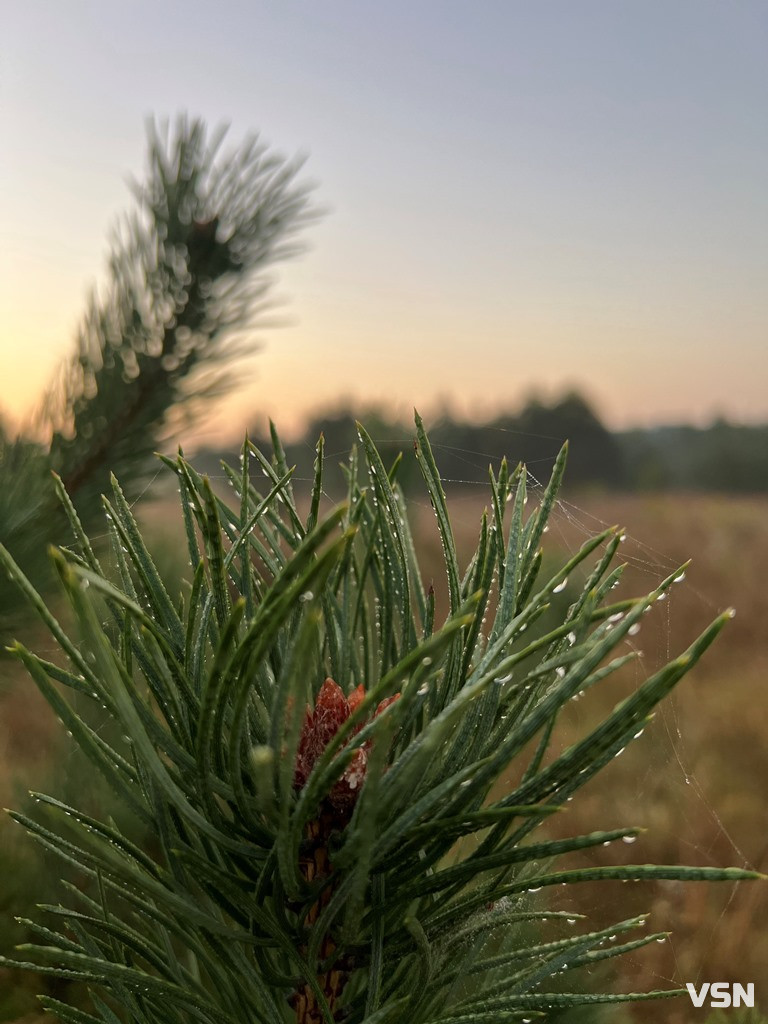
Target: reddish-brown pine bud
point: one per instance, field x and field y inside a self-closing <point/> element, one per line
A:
<point x="332" y="709"/>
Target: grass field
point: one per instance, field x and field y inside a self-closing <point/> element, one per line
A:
<point x="696" y="779"/>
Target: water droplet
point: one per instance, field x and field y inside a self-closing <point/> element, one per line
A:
<point x="662" y="939"/>
<point x="639" y="733"/>
<point x="628" y="839"/>
<point x="571" y="638"/>
<point x="570" y="920"/>
<point x="560" y="672"/>
<point x="560" y="586"/>
<point x="423" y="689"/>
<point x="662" y="596"/>
<point x="634" y="629"/>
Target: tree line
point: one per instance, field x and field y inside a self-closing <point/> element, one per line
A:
<point x="723" y="456"/>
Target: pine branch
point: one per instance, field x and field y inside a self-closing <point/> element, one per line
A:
<point x="186" y="274"/>
<point x="320" y="763"/>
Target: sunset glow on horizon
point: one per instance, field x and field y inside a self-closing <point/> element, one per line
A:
<point x="520" y="198"/>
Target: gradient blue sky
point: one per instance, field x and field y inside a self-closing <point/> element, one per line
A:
<point x="522" y="194"/>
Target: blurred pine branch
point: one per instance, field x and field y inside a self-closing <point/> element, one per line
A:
<point x="185" y="272"/>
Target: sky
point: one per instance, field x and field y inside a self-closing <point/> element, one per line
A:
<point x="522" y="197"/>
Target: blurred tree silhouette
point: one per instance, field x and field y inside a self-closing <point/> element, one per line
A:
<point x="185" y="271"/>
<point x="722" y="457"/>
<point x="533" y="435"/>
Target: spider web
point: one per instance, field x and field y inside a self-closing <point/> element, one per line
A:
<point x="713" y="933"/>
